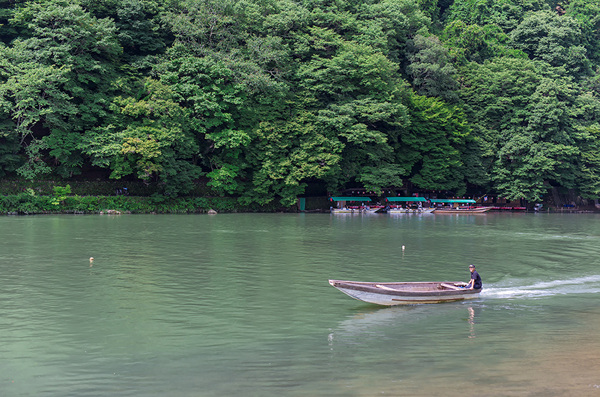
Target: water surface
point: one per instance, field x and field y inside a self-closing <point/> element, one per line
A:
<point x="239" y="304"/>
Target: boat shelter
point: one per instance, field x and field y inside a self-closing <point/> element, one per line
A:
<point x="406" y="199"/>
<point x="397" y="201"/>
<point x="341" y="201"/>
<point x="452" y="201"/>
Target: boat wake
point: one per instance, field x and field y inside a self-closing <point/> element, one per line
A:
<point x="581" y="285"/>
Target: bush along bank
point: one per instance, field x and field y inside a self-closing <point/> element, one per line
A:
<point x="28" y="203"/>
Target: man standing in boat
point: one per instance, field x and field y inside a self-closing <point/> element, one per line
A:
<point x="475" y="282"/>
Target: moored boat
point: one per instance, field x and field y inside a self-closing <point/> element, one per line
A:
<point x="453" y="209"/>
<point x="458" y="210"/>
<point x="411" y="208"/>
<point x="342" y="208"/>
<point x="344" y="211"/>
<point x="403" y="293"/>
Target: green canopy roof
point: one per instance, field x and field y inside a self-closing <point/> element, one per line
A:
<point x="406" y="199"/>
<point x="453" y="201"/>
<point x="351" y="199"/>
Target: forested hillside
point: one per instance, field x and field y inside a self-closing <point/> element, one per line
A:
<point x="262" y="97"/>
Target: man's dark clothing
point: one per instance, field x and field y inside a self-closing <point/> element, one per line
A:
<point x="476" y="279"/>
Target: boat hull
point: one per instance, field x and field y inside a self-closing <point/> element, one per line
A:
<point x="480" y="210"/>
<point x="392" y="294"/>
<point x="411" y="211"/>
<point x="348" y="211"/>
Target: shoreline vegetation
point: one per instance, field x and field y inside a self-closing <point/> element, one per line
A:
<point x="19" y="197"/>
<point x="23" y="197"/>
<point x="25" y="204"/>
<point x="115" y="198"/>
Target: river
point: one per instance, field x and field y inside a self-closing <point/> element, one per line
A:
<point x="239" y="304"/>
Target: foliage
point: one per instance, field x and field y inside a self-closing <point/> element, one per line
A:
<point x="437" y="136"/>
<point x="57" y="81"/>
<point x="150" y="138"/>
<point x="554" y="39"/>
<point x="524" y="114"/>
<point x="256" y="100"/>
<point x="60" y="194"/>
<point x="285" y="155"/>
<point x="26" y="203"/>
<point x="430" y="67"/>
<point x="98" y="187"/>
<point x="477" y="43"/>
<point x="506" y="14"/>
<point x="587" y="14"/>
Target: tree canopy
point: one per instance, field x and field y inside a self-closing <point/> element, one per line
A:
<point x="262" y="98"/>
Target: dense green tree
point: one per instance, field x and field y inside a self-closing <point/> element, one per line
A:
<point x="285" y="155"/>
<point x="524" y="111"/>
<point x="63" y="38"/>
<point x="137" y="23"/>
<point x="207" y="88"/>
<point x="149" y="137"/>
<point x="587" y="14"/>
<point x="477" y="43"/>
<point x="138" y="26"/>
<point x="587" y="174"/>
<point x="431" y="70"/>
<point x="507" y="14"/>
<point x="33" y="99"/>
<point x="210" y="24"/>
<point x="555" y="39"/>
<point x="390" y="25"/>
<point x="432" y="147"/>
<point x="355" y="95"/>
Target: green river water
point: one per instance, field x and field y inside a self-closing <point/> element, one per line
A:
<point x="240" y="305"/>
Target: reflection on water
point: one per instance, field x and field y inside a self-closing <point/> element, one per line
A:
<point x="240" y="305"/>
<point x="471" y="322"/>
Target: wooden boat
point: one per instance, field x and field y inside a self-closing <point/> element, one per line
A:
<point x="345" y="211"/>
<point x="408" y="210"/>
<point x="458" y="210"/>
<point x="376" y="209"/>
<point x="411" y="211"/>
<point x="408" y="293"/>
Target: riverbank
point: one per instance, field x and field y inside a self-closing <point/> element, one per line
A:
<point x="24" y="197"/>
<point x="31" y="204"/>
<point x="21" y="197"/>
